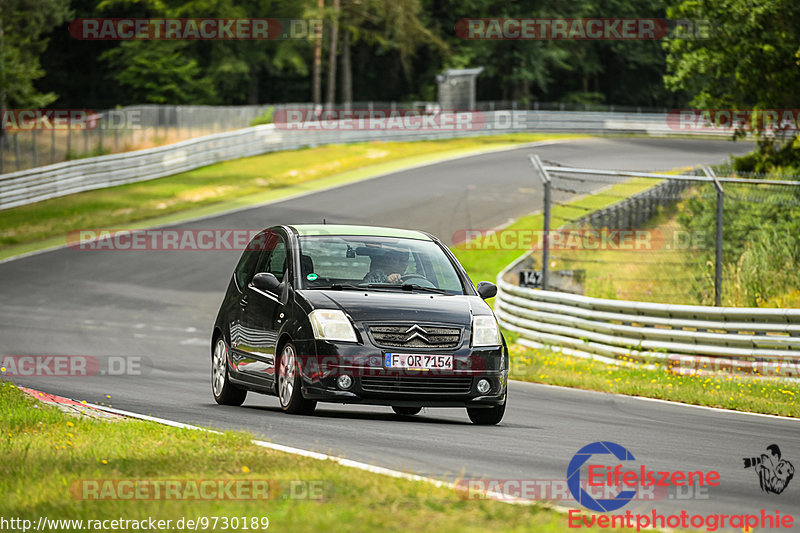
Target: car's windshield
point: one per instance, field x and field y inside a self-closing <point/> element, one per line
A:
<point x="386" y="263"/>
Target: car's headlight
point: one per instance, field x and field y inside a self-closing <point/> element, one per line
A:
<point x="331" y="325"/>
<point x="485" y="331"/>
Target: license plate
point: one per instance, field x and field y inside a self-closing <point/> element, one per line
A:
<point x="418" y="361"/>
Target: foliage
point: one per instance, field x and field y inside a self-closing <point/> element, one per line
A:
<point x="266" y="118"/>
<point x="394" y="50"/>
<point x="24" y="26"/>
<point x="751" y="60"/>
<point x="760" y="247"/>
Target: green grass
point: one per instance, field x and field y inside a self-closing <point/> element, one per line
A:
<point x="775" y="396"/>
<point x="483" y="261"/>
<point x="224" y="186"/>
<point x="47" y="453"/>
<point x="658" y="275"/>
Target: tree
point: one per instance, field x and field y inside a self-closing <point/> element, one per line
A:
<point x="204" y="71"/>
<point x="386" y="26"/>
<point x="23" y="29"/>
<point x="751" y="59"/>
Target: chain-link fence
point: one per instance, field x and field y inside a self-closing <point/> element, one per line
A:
<point x="36" y="137"/>
<point x="654" y="237"/>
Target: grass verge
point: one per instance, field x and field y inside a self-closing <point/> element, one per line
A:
<point x="774" y="397"/>
<point x="47" y="454"/>
<point x="226" y="186"/>
<point x="484" y="259"/>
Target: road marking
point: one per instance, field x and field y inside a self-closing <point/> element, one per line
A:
<point x="670" y="402"/>
<point x="493" y="495"/>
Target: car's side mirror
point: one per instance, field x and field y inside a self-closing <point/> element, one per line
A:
<point x="487" y="289"/>
<point x="266" y="281"/>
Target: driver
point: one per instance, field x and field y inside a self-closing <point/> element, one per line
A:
<point x="388" y="267"/>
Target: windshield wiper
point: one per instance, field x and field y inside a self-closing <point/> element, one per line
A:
<point x="339" y="287"/>
<point x="406" y="287"/>
<point x="347" y="287"/>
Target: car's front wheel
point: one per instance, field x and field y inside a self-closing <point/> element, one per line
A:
<point x="487" y="416"/>
<point x="225" y="392"/>
<point x="289" y="394"/>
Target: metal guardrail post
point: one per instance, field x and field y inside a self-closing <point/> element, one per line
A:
<point x="718" y="256"/>
<point x="537" y="164"/>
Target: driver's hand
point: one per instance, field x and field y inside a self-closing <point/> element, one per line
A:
<point x="394" y="278"/>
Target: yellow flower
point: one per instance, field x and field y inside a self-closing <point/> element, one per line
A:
<point x="69" y="435"/>
<point x="245" y="470"/>
<point x="69" y="443"/>
<point x="70" y="424"/>
<point x="2" y="369"/>
<point x="104" y="462"/>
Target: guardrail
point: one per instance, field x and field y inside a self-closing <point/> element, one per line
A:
<point x="686" y="337"/>
<point x="42" y="183"/>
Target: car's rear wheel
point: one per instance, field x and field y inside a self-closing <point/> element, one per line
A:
<point x="289" y="394"/>
<point x="225" y="392"/>
<point x="487" y="416"/>
<point x="406" y="411"/>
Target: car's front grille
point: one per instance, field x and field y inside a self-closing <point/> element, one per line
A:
<point x="417" y="385"/>
<point x="415" y="336"/>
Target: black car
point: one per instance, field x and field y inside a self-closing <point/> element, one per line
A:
<point x="358" y="314"/>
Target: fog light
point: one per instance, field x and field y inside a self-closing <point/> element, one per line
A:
<point x="344" y="381"/>
<point x="483" y="386"/>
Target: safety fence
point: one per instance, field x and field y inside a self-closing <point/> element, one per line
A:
<point x="687" y="338"/>
<point x="691" y="339"/>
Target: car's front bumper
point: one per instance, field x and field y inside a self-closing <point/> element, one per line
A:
<point x="373" y="383"/>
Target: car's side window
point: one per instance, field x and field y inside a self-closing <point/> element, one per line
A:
<point x="274" y="260"/>
<point x="244" y="270"/>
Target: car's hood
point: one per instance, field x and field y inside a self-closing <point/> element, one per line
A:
<point x="400" y="306"/>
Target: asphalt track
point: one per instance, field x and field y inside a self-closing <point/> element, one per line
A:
<point x="157" y="308"/>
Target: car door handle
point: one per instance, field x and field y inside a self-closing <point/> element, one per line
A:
<point x="243" y="302"/>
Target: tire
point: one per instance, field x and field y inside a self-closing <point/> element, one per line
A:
<point x="406" y="411"/>
<point x="289" y="394"/>
<point x="225" y="392"/>
<point x="483" y="416"/>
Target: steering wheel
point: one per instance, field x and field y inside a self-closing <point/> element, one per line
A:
<point x="425" y="281"/>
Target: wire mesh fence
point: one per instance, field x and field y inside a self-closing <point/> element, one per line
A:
<point x="33" y="138"/>
<point x="649" y="239"/>
<point x="38" y="142"/>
